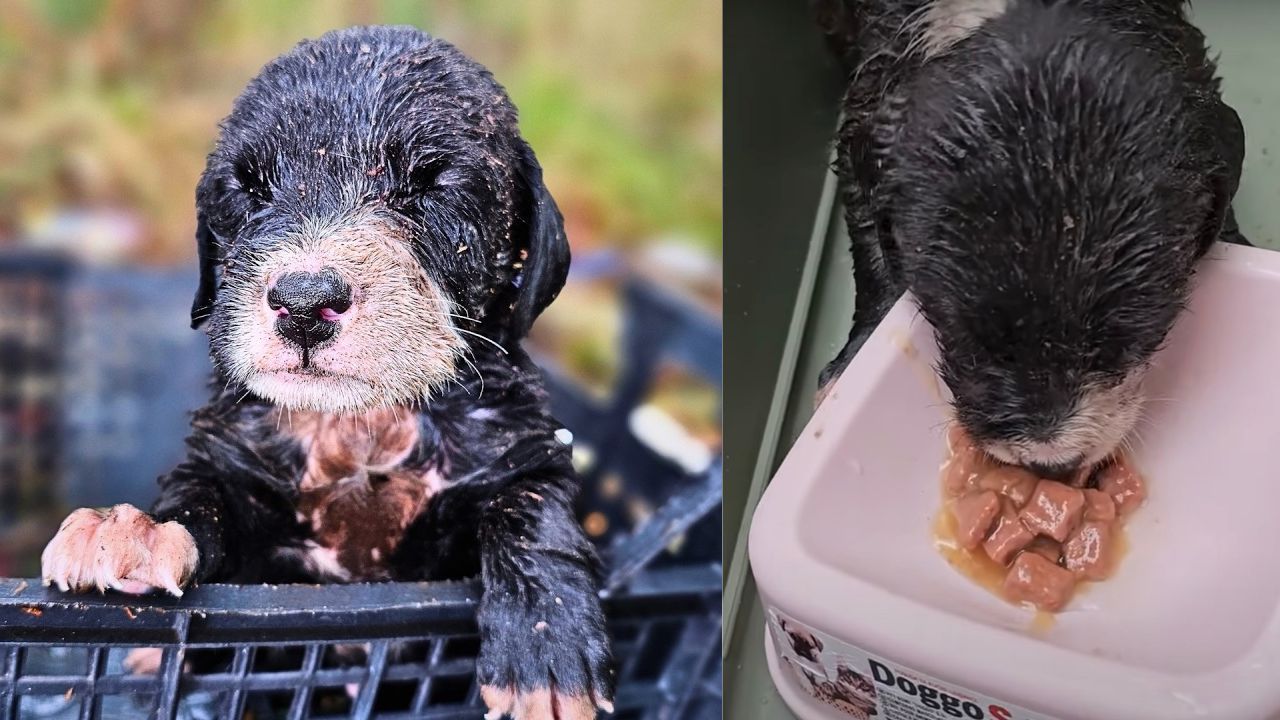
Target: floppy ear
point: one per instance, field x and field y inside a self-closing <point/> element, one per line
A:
<point x="541" y="237"/>
<point x="1224" y="180"/>
<point x="207" y="251"/>
<point x="1219" y="206"/>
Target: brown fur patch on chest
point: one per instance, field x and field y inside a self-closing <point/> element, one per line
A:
<point x="355" y="492"/>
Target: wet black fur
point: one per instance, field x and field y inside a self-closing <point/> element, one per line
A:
<point x="1044" y="189"/>
<point x="412" y="128"/>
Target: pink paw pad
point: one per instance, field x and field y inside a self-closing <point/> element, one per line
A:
<point x="121" y="548"/>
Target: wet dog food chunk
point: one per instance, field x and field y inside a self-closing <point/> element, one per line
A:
<point x="1009" y="537"/>
<point x="1046" y="548"/>
<point x="1028" y="538"/>
<point x="958" y="476"/>
<point x="958" y="441"/>
<point x="1054" y="509"/>
<point x="1098" y="506"/>
<point x="1081" y="477"/>
<point x="967" y="463"/>
<point x="1089" y="551"/>
<point x="963" y="470"/>
<point x="974" y="515"/>
<point x="1035" y="580"/>
<point x="1124" y="485"/>
<point x="1012" y="482"/>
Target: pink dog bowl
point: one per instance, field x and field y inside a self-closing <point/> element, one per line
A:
<point x="1189" y="626"/>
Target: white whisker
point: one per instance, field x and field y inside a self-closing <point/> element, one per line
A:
<point x="482" y="337"/>
<point x="467" y="360"/>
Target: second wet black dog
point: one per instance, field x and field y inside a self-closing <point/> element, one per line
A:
<point x="1043" y="178"/>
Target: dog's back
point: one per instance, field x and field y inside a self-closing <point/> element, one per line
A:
<point x="886" y="45"/>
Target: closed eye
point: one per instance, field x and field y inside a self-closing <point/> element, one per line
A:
<point x="414" y="172"/>
<point x="425" y="175"/>
<point x="421" y="184"/>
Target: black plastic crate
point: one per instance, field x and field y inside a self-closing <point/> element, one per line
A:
<point x="658" y="328"/>
<point x="128" y="369"/>
<point x="406" y="650"/>
<point x="98" y="370"/>
<point x="133" y="369"/>
<point x="32" y="312"/>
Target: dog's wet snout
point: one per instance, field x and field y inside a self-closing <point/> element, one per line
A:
<point x="308" y="305"/>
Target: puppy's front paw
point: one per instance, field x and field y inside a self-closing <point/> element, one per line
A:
<point x="121" y="548"/>
<point x="548" y="662"/>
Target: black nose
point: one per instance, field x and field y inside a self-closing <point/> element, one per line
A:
<point x="308" y="305"/>
<point x="1058" y="471"/>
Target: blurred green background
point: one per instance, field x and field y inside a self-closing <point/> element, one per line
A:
<point x="115" y="102"/>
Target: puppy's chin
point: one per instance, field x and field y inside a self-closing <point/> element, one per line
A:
<point x="1101" y="423"/>
<point x="343" y="376"/>
<point x="345" y="382"/>
<point x="318" y="391"/>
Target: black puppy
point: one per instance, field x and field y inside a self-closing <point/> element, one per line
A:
<point x="1042" y="177"/>
<point x="375" y="239"/>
